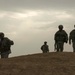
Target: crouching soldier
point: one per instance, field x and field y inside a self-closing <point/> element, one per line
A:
<point x="45" y="48"/>
<point x="5" y="45"/>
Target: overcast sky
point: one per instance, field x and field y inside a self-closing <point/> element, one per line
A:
<point x="31" y="22"/>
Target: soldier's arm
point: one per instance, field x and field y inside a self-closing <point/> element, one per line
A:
<point x="42" y="47"/>
<point x="66" y="35"/>
<point x="55" y="36"/>
<point x="11" y="42"/>
<point x="48" y="48"/>
<point x="70" y="38"/>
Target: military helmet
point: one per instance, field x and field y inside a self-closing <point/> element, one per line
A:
<point x="45" y="42"/>
<point x="1" y="34"/>
<point x="60" y="26"/>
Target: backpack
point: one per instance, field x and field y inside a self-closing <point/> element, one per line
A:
<point x="44" y="47"/>
<point x="61" y="36"/>
<point x="7" y="42"/>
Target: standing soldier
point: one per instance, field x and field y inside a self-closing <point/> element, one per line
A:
<point x="72" y="37"/>
<point x="45" y="47"/>
<point x="5" y="45"/>
<point x="60" y="38"/>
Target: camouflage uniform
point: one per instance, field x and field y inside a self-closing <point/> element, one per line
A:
<point x="45" y="48"/>
<point x="72" y="37"/>
<point x="60" y="37"/>
<point x="5" y="45"/>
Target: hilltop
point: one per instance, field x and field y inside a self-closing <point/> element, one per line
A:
<point x="39" y="64"/>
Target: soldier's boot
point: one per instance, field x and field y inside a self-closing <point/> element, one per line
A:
<point x="61" y="50"/>
<point x="57" y="50"/>
<point x="74" y="50"/>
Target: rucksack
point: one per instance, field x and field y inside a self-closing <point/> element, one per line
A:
<point x="7" y="42"/>
<point x="44" y="47"/>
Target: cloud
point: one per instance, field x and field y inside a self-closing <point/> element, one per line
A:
<point x="38" y="19"/>
<point x="30" y="22"/>
<point x="22" y="15"/>
<point x="18" y="5"/>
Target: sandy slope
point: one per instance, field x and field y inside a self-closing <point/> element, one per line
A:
<point x="39" y="64"/>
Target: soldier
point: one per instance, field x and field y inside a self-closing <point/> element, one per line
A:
<point x="72" y="38"/>
<point x="60" y="38"/>
<point x="5" y="44"/>
<point x="45" y="47"/>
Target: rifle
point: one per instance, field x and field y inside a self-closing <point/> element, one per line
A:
<point x="55" y="46"/>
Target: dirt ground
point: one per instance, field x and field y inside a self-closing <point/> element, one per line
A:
<point x="39" y="64"/>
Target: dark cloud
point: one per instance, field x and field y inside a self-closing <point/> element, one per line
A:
<point x="17" y="5"/>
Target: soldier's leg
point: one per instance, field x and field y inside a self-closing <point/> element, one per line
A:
<point x="61" y="47"/>
<point x="44" y="51"/>
<point x="6" y="55"/>
<point x="3" y="55"/>
<point x="74" y="47"/>
<point x="58" y="47"/>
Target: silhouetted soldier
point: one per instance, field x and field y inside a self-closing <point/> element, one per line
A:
<point x="72" y="38"/>
<point x="45" y="47"/>
<point x="5" y="45"/>
<point x="60" y="38"/>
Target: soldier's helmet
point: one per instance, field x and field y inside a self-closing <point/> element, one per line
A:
<point x="1" y="34"/>
<point x="60" y="27"/>
<point x="45" y="42"/>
